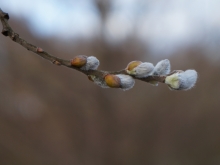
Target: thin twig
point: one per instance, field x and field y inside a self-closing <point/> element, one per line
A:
<point x="8" y="31"/>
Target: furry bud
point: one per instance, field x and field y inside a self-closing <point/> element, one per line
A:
<point x="127" y="82"/>
<point x="162" y="67"/>
<point x="113" y="81"/>
<point x="122" y="81"/>
<point x="91" y="64"/>
<point x="85" y="63"/>
<point x="182" y="80"/>
<point x="140" y="69"/>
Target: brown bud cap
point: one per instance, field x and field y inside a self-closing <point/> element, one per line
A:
<point x="132" y="65"/>
<point x="113" y="81"/>
<point x="79" y="61"/>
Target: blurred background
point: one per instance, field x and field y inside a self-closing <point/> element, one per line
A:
<point x="54" y="116"/>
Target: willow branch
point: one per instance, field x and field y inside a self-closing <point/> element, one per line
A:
<point x="8" y="31"/>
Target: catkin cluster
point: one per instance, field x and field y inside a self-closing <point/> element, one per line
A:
<point x="179" y="80"/>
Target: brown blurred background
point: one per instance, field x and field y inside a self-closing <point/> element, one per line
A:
<point x="54" y="116"/>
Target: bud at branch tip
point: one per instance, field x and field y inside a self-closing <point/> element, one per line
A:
<point x="182" y="80"/>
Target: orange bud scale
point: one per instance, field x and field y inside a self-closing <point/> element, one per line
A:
<point x="113" y="81"/>
<point x="79" y="61"/>
<point x="133" y="64"/>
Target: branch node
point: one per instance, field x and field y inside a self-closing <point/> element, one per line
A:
<point x="39" y="50"/>
<point x="14" y="36"/>
<point x="56" y="62"/>
<point x="90" y="78"/>
<point x="5" y="15"/>
<point x="5" y="32"/>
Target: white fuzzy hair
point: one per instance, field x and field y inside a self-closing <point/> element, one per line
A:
<point x="127" y="82"/>
<point x="187" y="79"/>
<point x="182" y="80"/>
<point x="143" y="70"/>
<point x="91" y="64"/>
<point x="162" y="67"/>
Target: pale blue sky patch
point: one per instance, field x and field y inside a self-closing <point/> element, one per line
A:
<point x="164" y="25"/>
<point x="48" y="18"/>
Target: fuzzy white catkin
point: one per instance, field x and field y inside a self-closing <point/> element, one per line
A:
<point x="91" y="64"/>
<point x="182" y="80"/>
<point x="143" y="70"/>
<point x="127" y="82"/>
<point x="162" y="67"/>
<point x="187" y="79"/>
